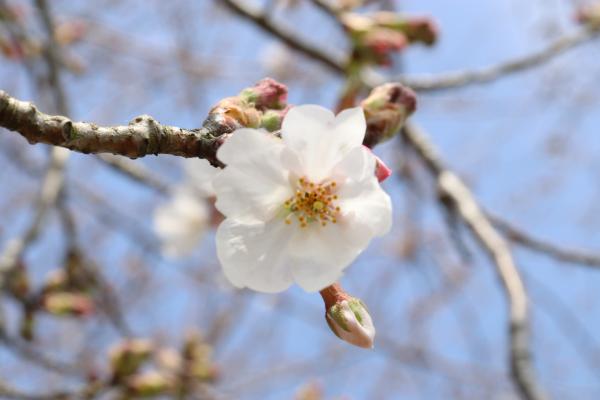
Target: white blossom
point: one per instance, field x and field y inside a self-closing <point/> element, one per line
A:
<point x="182" y="222"/>
<point x="300" y="208"/>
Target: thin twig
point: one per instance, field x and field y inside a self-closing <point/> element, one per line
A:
<point x="425" y="83"/>
<point x="549" y="249"/>
<point x="134" y="171"/>
<point x="335" y="64"/>
<point x="456" y="194"/>
<point x="51" y="187"/>
<point x="451" y="80"/>
<point x="54" y="178"/>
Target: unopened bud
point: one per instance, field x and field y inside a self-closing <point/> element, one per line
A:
<point x="148" y="384"/>
<point x="266" y="94"/>
<point x="65" y="303"/>
<point x="235" y="113"/>
<point x="128" y="356"/>
<point x="589" y="15"/>
<point x="272" y="119"/>
<point x="168" y="359"/>
<point x="421" y="29"/>
<point x="198" y="354"/>
<point x="351" y="322"/>
<point x="386" y="109"/>
<point x="70" y="32"/>
<point x="348" y="317"/>
<point x="381" y="43"/>
<point x="417" y="29"/>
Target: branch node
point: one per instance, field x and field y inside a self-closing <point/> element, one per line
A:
<point x="152" y="134"/>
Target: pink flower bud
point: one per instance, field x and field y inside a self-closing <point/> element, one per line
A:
<point x="382" y="171"/>
<point x="266" y="94"/>
<point x="66" y="303"/>
<point x="348" y="317"/>
<point x="386" y="109"/>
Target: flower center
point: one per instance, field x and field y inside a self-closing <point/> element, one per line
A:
<point x="312" y="203"/>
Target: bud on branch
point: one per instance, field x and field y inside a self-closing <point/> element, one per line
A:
<point x="348" y="317"/>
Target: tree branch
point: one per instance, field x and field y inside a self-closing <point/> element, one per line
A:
<point x="450" y="80"/>
<point x="134" y="171"/>
<point x="540" y="246"/>
<point x="141" y="137"/>
<point x="455" y="194"/>
<point x="286" y="36"/>
<point x="51" y="187"/>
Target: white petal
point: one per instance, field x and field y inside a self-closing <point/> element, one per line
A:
<point x="320" y="139"/>
<point x="254" y="255"/>
<point x="201" y="174"/>
<point x="245" y="145"/>
<point x="351" y="126"/>
<point x="320" y="254"/>
<point x="362" y="199"/>
<point x="181" y="223"/>
<point x="254" y="184"/>
<point x="357" y="165"/>
<point x="367" y="206"/>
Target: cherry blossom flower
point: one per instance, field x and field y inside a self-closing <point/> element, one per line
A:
<point x="300" y="208"/>
<point x="182" y="222"/>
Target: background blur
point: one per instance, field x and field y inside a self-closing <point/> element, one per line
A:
<point x="527" y="144"/>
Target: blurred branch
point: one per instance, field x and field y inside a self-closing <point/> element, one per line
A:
<point x="51" y="187"/>
<point x="54" y="178"/>
<point x="454" y="193"/>
<point x="134" y="171"/>
<point x="89" y="272"/>
<point x="52" y="58"/>
<point x="450" y="80"/>
<point x="540" y="246"/>
<point x="37" y="357"/>
<point x="89" y="391"/>
<point x="285" y="35"/>
<point x="326" y="8"/>
<point x="442" y="81"/>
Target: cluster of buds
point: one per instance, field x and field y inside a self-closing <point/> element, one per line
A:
<point x="348" y="317"/>
<point x="55" y="297"/>
<point x="141" y="369"/>
<point x="379" y="35"/>
<point x="589" y="15"/>
<point x="261" y="106"/>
